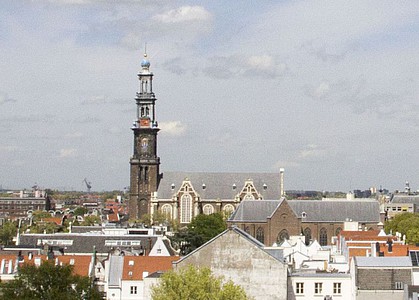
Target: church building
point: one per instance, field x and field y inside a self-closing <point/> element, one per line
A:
<point x="182" y="195"/>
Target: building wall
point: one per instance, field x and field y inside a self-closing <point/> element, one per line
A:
<point x="379" y="295"/>
<point x="382" y="279"/>
<point x="327" y="281"/>
<point x="231" y="255"/>
<point x="284" y="218"/>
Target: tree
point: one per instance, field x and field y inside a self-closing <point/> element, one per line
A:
<point x="47" y="282"/>
<point x="7" y="232"/>
<point x="407" y="224"/>
<point x="80" y="211"/>
<point x="201" y="229"/>
<point x="195" y="284"/>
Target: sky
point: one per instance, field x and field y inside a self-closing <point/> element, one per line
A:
<point x="326" y="89"/>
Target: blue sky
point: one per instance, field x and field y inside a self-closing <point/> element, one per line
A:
<point x="327" y="90"/>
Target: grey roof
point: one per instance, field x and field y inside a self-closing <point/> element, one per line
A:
<point x="405" y="199"/>
<point x="254" y="210"/>
<point x="116" y="265"/>
<point x="84" y="242"/>
<point x="383" y="261"/>
<point x="220" y="185"/>
<point x="366" y="210"/>
<point x="271" y="252"/>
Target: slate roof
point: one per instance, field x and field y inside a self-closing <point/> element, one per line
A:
<point x="220" y="185"/>
<point x="382" y="261"/>
<point x="254" y="210"/>
<point x="116" y="266"/>
<point x="84" y="242"/>
<point x="365" y="210"/>
<point x="405" y="199"/>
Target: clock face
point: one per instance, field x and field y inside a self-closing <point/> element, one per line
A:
<point x="144" y="144"/>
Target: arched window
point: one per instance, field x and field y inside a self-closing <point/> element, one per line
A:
<point x="260" y="235"/>
<point x="167" y="211"/>
<point x="338" y="230"/>
<point x="307" y="235"/>
<point x="228" y="209"/>
<point x="208" y="209"/>
<point x="186" y="208"/>
<point x="323" y="237"/>
<point x="142" y="207"/>
<point x="283" y="235"/>
<point x="248" y="197"/>
<point x="247" y="229"/>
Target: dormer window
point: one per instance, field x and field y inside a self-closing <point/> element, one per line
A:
<point x="303" y="215"/>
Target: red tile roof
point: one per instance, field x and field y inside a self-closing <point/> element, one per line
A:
<point x="134" y="266"/>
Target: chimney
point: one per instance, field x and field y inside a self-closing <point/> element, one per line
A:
<point x="281" y="182"/>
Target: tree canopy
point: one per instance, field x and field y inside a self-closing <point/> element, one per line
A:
<point x="7" y="232"/>
<point x="194" y="283"/>
<point x="47" y="282"/>
<point x="201" y="229"/>
<point x="407" y="224"/>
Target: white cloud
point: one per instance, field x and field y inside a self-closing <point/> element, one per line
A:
<point x="175" y="128"/>
<point x="184" y="14"/>
<point x="8" y="148"/>
<point x="69" y="152"/>
<point x="74" y="135"/>
<point x="4" y="98"/>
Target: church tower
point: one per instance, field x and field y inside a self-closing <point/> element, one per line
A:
<point x="144" y="175"/>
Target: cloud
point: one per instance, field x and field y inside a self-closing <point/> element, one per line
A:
<point x="74" y="135"/>
<point x="184" y="14"/>
<point x="8" y="148"/>
<point x="95" y="100"/>
<point x="69" y="152"/>
<point x="4" y="98"/>
<point x="174" y="128"/>
<point x="266" y="66"/>
<point x="308" y="153"/>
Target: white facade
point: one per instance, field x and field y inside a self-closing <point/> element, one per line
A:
<point x="309" y="286"/>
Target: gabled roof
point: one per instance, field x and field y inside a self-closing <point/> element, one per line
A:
<point x="255" y="210"/>
<point x="135" y="266"/>
<point x="220" y="185"/>
<point x="382" y="262"/>
<point x="365" y="210"/>
<point x="275" y="253"/>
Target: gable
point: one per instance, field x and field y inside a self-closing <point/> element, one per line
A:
<point x="220" y="185"/>
<point x="255" y="210"/>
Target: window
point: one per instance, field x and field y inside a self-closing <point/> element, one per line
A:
<point x="323" y="237"/>
<point x="283" y="235"/>
<point x="208" y="209"/>
<point x="130" y="263"/>
<point x="186" y="208"/>
<point x="260" y="235"/>
<point x="167" y="211"/>
<point x="318" y="287"/>
<point x="299" y="288"/>
<point x="307" y="235"/>
<point x="398" y="285"/>
<point x="228" y="208"/>
<point x="133" y="289"/>
<point x="337" y="288"/>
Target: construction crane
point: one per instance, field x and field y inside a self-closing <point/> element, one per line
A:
<point x="88" y="185"/>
